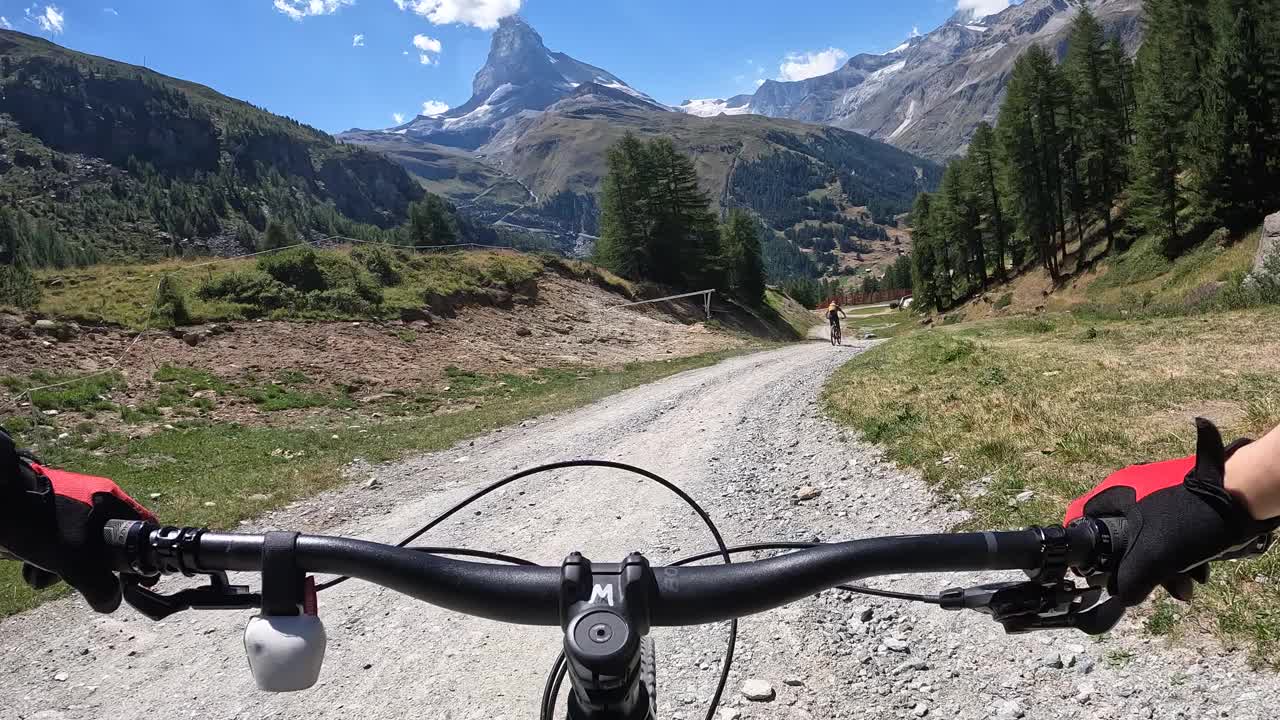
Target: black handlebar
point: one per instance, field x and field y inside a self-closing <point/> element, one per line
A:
<point x="680" y="596"/>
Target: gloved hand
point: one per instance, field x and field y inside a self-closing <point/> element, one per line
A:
<point x="52" y="520"/>
<point x="1178" y="515"/>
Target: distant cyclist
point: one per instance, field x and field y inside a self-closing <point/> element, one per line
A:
<point x="833" y="316"/>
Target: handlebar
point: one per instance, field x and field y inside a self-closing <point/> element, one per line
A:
<point x="530" y="595"/>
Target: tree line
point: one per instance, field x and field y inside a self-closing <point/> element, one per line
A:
<point x="656" y="225"/>
<point x="1100" y="148"/>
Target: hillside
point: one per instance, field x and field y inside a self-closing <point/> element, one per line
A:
<point x="107" y="159"/>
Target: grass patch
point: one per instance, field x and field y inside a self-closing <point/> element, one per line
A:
<point x="793" y="313"/>
<point x="87" y="392"/>
<point x="1055" y="404"/>
<point x="247" y="470"/>
<point x="298" y="283"/>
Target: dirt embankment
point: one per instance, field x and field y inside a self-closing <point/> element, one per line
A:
<point x="566" y="324"/>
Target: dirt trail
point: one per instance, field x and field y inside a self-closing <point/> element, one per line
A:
<point x="741" y="437"/>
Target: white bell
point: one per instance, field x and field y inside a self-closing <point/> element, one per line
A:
<point x="285" y="652"/>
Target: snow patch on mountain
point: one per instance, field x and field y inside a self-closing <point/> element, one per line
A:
<point x="711" y="107"/>
<point x="906" y="121"/>
<point x="854" y="98"/>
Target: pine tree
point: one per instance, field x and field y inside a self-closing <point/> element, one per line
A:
<point x="623" y="243"/>
<point x="278" y="235"/>
<point x="684" y="240"/>
<point x="1119" y="78"/>
<point x="961" y="234"/>
<point x="982" y="155"/>
<point x="1158" y="151"/>
<point x="1029" y="158"/>
<point x="924" y="287"/>
<point x="431" y="222"/>
<point x="656" y="221"/>
<point x="1099" y="121"/>
<point x="1234" y="133"/>
<point x="740" y="245"/>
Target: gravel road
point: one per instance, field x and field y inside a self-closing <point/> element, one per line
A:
<point x="742" y="437"/>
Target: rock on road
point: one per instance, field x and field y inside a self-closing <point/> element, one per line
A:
<point x="743" y="437"/>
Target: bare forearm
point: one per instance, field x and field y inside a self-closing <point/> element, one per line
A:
<point x="1253" y="475"/>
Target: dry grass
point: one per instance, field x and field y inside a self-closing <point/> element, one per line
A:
<point x="1053" y="404"/>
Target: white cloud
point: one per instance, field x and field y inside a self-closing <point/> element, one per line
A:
<point x="915" y="31"/>
<point x="398" y="118"/>
<point x="110" y="11"/>
<point x="357" y="40"/>
<point x="50" y="19"/>
<point x="483" y="14"/>
<point x="427" y="46"/>
<point x="759" y="82"/>
<point x="982" y="8"/>
<point x="434" y="107"/>
<point x="801" y="66"/>
<point x="298" y="9"/>
<point x="5" y="24"/>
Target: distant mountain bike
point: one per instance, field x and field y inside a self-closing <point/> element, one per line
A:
<point x="835" y="334"/>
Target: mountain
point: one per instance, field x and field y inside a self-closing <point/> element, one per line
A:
<point x="105" y="159"/>
<point x="928" y="94"/>
<point x="528" y="151"/>
<point x="520" y="75"/>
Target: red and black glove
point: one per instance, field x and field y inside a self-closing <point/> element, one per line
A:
<point x="52" y="520"/>
<point x="1178" y="516"/>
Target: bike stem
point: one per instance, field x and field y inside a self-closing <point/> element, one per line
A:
<point x="604" y="611"/>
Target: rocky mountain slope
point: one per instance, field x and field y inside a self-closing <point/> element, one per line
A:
<point x="928" y="94"/>
<point x="117" y="160"/>
<point x="520" y="75"/>
<point x="528" y="150"/>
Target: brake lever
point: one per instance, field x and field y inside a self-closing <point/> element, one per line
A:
<point x="1024" y="606"/>
<point x="219" y="594"/>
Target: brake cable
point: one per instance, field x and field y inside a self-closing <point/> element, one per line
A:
<point x="558" y="669"/>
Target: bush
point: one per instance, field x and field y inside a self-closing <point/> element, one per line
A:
<point x="18" y="287"/>
<point x="247" y="237"/>
<point x="279" y="235"/>
<point x="1267" y="279"/>
<point x="299" y="279"/>
<point x="342" y="300"/>
<point x="296" y="267"/>
<point x="1004" y="301"/>
<point x="340" y="273"/>
<point x="380" y="261"/>
<point x="251" y="288"/>
<point x="170" y="307"/>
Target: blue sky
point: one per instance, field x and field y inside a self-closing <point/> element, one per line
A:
<point x="337" y="64"/>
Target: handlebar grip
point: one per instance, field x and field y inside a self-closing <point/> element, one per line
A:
<point x="128" y="549"/>
<point x="1116" y="540"/>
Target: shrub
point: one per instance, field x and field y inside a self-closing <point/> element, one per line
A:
<point x="343" y="300"/>
<point x="1267" y="278"/>
<point x="278" y="235"/>
<point x="380" y="261"/>
<point x="250" y="288"/>
<point x="296" y="267"/>
<point x="18" y="287"/>
<point x="340" y="273"/>
<point x="1004" y="301"/>
<point x="170" y="307"/>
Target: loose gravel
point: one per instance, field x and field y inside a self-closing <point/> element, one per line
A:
<point x="746" y="438"/>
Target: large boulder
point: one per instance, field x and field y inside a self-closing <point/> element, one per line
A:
<point x="1270" y="242"/>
